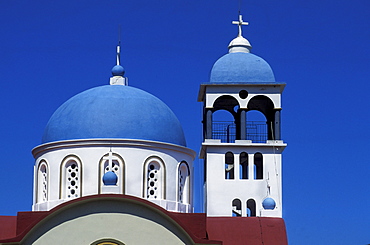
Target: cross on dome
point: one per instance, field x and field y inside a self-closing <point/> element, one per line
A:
<point x="240" y="23"/>
<point x="240" y="44"/>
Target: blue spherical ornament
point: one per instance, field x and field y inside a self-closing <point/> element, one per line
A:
<point x="118" y="70"/>
<point x="110" y="178"/>
<point x="269" y="203"/>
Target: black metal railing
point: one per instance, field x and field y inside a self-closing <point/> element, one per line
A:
<point x="226" y="131"/>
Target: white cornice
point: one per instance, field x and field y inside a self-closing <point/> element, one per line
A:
<point x="109" y="143"/>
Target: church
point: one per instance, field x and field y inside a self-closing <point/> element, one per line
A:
<point x="113" y="167"/>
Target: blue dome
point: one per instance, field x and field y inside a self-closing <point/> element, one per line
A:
<point x="241" y="68"/>
<point x="114" y="111"/>
<point x="269" y="203"/>
<point x="110" y="178"/>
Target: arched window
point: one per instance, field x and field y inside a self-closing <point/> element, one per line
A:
<point x="251" y="208"/>
<point x="264" y="105"/>
<point x="229" y="165"/>
<point x="225" y="110"/>
<point x="184" y="183"/>
<point x="154" y="181"/>
<point x="107" y="241"/>
<point x="258" y="166"/>
<point x="236" y="208"/>
<point x="71" y="178"/>
<point x="256" y="127"/>
<point x="42" y="182"/>
<point x="243" y="161"/>
<point x="113" y="162"/>
<point x="223" y="126"/>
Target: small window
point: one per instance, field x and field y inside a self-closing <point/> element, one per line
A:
<point x="251" y="208"/>
<point x="229" y="165"/>
<point x="243" y="159"/>
<point x="154" y="179"/>
<point x="258" y="166"/>
<point x="183" y="183"/>
<point x="42" y="182"/>
<point x="243" y="94"/>
<point x="71" y="178"/>
<point x="237" y="208"/>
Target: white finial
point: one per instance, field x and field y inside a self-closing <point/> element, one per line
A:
<point x="240" y="23"/>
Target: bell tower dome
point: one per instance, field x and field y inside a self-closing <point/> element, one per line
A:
<point x="242" y="157"/>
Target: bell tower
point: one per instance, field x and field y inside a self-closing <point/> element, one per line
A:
<point x="242" y="157"/>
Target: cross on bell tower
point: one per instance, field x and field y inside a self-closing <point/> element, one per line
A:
<point x="240" y="23"/>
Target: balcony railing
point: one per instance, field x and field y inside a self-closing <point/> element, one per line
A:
<point x="226" y="131"/>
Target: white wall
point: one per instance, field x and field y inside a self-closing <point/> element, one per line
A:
<point x="221" y="192"/>
<point x="134" y="155"/>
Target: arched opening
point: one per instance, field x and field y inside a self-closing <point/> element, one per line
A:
<point x="223" y="126"/>
<point x="256" y="127"/>
<point x="243" y="161"/>
<point x="154" y="179"/>
<point x="236" y="208"/>
<point x="71" y="178"/>
<point x="251" y="208"/>
<point x="42" y="182"/>
<point x="221" y="121"/>
<point x="258" y="166"/>
<point x="271" y="128"/>
<point x="184" y="183"/>
<point x="229" y="165"/>
<point x="113" y="162"/>
<point x="226" y="102"/>
<point x="107" y="241"/>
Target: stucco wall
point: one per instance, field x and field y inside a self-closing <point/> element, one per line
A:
<point x="124" y="220"/>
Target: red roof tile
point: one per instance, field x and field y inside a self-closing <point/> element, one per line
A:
<point x="8" y="226"/>
<point x="247" y="230"/>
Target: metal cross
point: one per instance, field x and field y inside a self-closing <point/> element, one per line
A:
<point x="240" y="23"/>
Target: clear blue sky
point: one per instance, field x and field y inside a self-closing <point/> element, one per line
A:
<point x="52" y="50"/>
